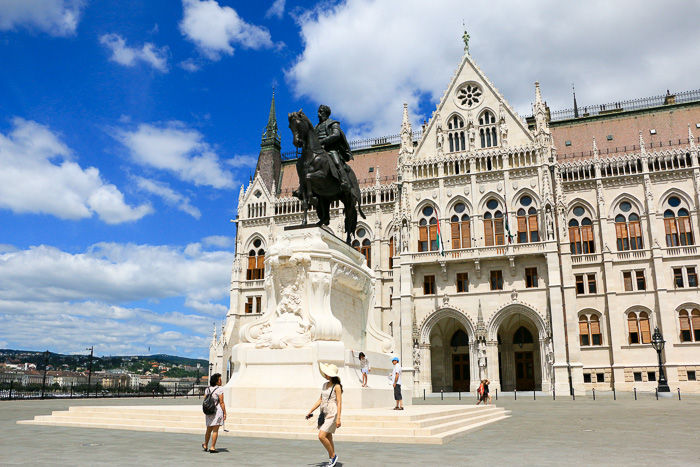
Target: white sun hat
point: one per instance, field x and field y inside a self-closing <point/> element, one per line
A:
<point x="328" y="369"/>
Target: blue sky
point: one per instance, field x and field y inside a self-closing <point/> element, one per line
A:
<point x="127" y="129"/>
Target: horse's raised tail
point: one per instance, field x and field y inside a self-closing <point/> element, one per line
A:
<point x="359" y="209"/>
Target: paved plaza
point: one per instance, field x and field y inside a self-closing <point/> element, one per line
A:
<point x="539" y="432"/>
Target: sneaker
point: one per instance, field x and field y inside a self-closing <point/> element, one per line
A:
<point x="333" y="461"/>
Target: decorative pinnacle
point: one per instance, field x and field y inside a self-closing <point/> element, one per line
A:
<point x="271" y="135"/>
<point x="595" y="149"/>
<point x="465" y="38"/>
<point x="538" y="94"/>
<point x="691" y="138"/>
<point x="641" y="142"/>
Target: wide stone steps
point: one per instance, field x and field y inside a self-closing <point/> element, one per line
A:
<point x="416" y="424"/>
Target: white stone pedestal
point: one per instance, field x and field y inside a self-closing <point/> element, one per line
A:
<point x="319" y="308"/>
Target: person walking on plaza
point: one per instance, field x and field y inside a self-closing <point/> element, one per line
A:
<point x="395" y="379"/>
<point x="215" y="420"/>
<point x="483" y="391"/>
<point x="365" y="369"/>
<point x="331" y="403"/>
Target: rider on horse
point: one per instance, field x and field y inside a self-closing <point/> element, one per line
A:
<point x="333" y="141"/>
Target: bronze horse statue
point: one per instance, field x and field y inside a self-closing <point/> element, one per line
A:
<point x="319" y="185"/>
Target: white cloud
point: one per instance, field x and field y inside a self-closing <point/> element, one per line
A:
<point x="178" y="150"/>
<point x="130" y="56"/>
<point x="365" y="58"/>
<point x="54" y="17"/>
<point x="215" y="29"/>
<point x="276" y="9"/>
<point x="38" y="176"/>
<point x="220" y="241"/>
<point x="243" y="161"/>
<point x="62" y="301"/>
<point x="168" y="195"/>
<point x="190" y="65"/>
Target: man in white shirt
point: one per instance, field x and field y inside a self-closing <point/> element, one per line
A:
<point x="396" y="381"/>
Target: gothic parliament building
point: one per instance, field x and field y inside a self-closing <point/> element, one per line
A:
<point x="540" y="252"/>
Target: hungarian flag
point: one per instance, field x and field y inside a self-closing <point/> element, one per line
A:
<point x="441" y="245"/>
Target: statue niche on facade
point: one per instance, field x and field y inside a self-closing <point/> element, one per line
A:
<point x="324" y="175"/>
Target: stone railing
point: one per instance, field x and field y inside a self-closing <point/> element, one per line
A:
<point x="586" y="258"/>
<point x="631" y="255"/>
<point x="254" y="284"/>
<point x="682" y="251"/>
<point x="479" y="252"/>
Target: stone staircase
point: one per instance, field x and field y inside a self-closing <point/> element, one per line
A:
<point x="423" y="424"/>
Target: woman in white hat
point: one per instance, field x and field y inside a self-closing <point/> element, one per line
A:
<point x="331" y="402"/>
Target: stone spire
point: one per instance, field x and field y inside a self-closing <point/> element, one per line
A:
<point x="406" y="134"/>
<point x="575" y="105"/>
<point x="642" y="147"/>
<point x="271" y="137"/>
<point x="213" y="337"/>
<point x="541" y="119"/>
<point x="481" y="333"/>
<point x="270" y="158"/>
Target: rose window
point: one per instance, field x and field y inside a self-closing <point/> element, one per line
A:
<point x="469" y="96"/>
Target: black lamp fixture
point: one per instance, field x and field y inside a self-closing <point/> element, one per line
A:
<point x="658" y="342"/>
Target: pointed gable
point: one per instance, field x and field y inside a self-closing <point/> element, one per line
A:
<point x="471" y="103"/>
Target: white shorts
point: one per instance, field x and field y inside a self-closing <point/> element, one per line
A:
<point x="365" y="371"/>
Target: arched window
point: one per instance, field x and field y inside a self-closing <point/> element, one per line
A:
<point x="427" y="230"/>
<point x="589" y="330"/>
<point x="527" y="221"/>
<point x="455" y="134"/>
<point x="493" y="224"/>
<point x="256" y="262"/>
<point x="677" y="223"/>
<point x="627" y="228"/>
<point x="639" y="329"/>
<point x="522" y="336"/>
<point x="461" y="228"/>
<point x="487" y="129"/>
<point x="581" y="232"/>
<point x="363" y="245"/>
<point x="459" y="339"/>
<point x="690" y="325"/>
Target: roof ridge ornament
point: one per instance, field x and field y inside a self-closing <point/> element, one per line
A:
<point x="465" y="38"/>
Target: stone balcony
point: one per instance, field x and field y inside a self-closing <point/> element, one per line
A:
<point x="482" y="253"/>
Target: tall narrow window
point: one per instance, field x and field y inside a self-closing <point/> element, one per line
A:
<point x="256" y="262"/>
<point x="530" y="277"/>
<point x="460" y="227"/>
<point x="580" y="285"/>
<point x="367" y="251"/>
<point x="633" y="326"/>
<point x="692" y="276"/>
<point x="678" y="277"/>
<point x="686" y="327"/>
<point x="496" y="280"/>
<point x="462" y="282"/>
<point x="644" y="327"/>
<point x="641" y="282"/>
<point x="596" y="337"/>
<point x="627" y="280"/>
<point x="677" y="223"/>
<point x="592" y="288"/>
<point x="527" y="221"/>
<point x="584" y="331"/>
<point x="487" y="129"/>
<point x="581" y="232"/>
<point x="427" y="230"/>
<point x="429" y="285"/>
<point x="392" y="252"/>
<point x="628" y="229"/>
<point x="455" y="134"/>
<point x="493" y="224"/>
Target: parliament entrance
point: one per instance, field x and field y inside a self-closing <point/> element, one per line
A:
<point x="460" y="372"/>
<point x="524" y="371"/>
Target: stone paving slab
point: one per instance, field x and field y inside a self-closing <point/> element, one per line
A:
<point x="541" y="432"/>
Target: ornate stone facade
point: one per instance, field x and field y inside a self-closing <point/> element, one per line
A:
<point x="555" y="269"/>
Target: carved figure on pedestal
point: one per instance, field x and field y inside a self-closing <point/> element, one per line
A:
<point x="549" y="222"/>
<point x="416" y="357"/>
<point x="482" y="360"/>
<point x="504" y="133"/>
<point x="439" y="135"/>
<point x="323" y="175"/>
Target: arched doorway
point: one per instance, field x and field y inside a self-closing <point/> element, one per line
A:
<point x="520" y="340"/>
<point x="446" y="362"/>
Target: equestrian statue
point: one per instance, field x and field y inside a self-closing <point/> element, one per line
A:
<point x="324" y="175"/>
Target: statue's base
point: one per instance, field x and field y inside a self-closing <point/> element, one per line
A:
<point x="290" y="378"/>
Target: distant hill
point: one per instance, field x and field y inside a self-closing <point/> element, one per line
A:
<point x="57" y="360"/>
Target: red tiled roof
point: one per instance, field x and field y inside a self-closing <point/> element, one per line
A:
<point x="384" y="160"/>
<point x="671" y="125"/>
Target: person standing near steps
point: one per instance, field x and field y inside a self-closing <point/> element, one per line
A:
<point x="331" y="403"/>
<point x="215" y="420"/>
<point x="396" y="381"/>
<point x="364" y="368"/>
